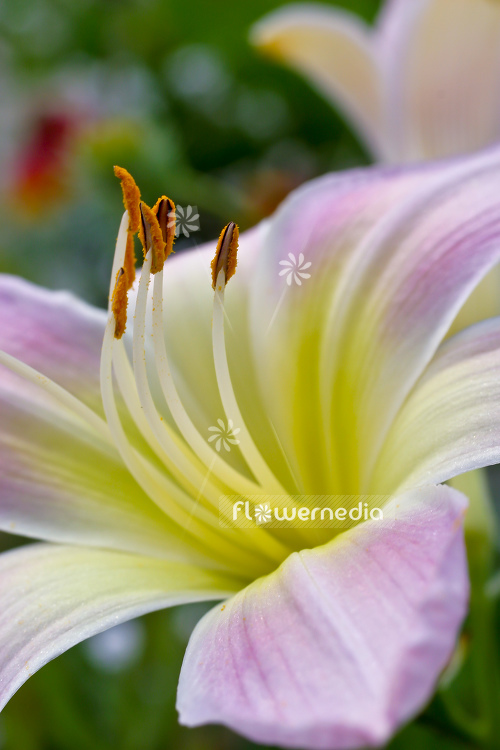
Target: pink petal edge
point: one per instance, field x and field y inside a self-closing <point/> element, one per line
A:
<point x="343" y="643"/>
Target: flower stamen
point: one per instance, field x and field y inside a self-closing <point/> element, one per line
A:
<point x="182" y="465"/>
<point x="225" y="254"/>
<point x="223" y="267"/>
<point x="187" y="456"/>
<point x="125" y="275"/>
<point x="164" y="492"/>
<point x="221" y="478"/>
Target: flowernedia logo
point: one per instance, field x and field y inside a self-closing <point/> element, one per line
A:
<point x="316" y="511"/>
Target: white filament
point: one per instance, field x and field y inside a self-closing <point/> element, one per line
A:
<point x="250" y="452"/>
<point x="238" y="483"/>
<point x="119" y="256"/>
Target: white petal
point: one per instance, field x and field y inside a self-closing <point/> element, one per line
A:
<point x="53" y="597"/>
<point x="442" y="71"/>
<point x="450" y="423"/>
<point x="336" y="51"/>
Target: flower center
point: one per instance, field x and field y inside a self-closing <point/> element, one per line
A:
<point x="180" y="470"/>
<point x="212" y="502"/>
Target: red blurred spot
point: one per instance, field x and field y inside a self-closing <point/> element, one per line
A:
<point x="41" y="173"/>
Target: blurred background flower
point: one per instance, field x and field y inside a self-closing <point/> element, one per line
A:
<point x="174" y="93"/>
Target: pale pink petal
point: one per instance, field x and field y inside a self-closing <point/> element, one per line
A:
<point x="344" y="642"/>
<point x="326" y="220"/>
<point x="440" y="63"/>
<point x="55" y="333"/>
<point x="397" y="255"/>
<point x="395" y="20"/>
<point x="58" y="480"/>
<point x="426" y="260"/>
<point x="52" y="597"/>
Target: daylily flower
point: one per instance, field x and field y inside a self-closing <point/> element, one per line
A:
<point x="328" y="638"/>
<point x="423" y="84"/>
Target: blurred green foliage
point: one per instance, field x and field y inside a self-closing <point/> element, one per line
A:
<point x="174" y="93"/>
